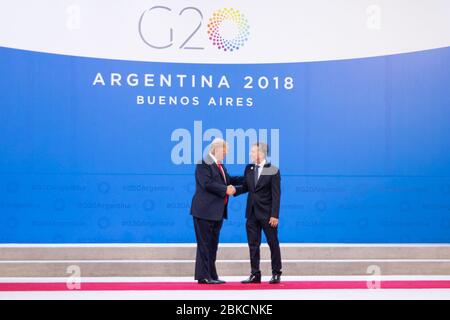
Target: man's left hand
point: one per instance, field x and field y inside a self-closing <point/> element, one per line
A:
<point x="273" y="222"/>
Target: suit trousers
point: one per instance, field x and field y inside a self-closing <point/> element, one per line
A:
<point x="254" y="227"/>
<point x="207" y="235"/>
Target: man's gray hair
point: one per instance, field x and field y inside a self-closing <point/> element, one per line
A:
<point x="262" y="147"/>
<point x="217" y="143"/>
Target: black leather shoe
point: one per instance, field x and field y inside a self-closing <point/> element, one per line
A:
<point x="252" y="279"/>
<point x="276" y="278"/>
<point x="210" y="281"/>
<point x="205" y="281"/>
<point x="218" y="281"/>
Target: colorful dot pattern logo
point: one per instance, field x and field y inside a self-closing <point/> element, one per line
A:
<point x="233" y="16"/>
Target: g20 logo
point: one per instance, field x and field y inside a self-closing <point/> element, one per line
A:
<point x="227" y="29"/>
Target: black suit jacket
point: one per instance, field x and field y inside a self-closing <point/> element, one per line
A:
<point x="210" y="191"/>
<point x="264" y="198"/>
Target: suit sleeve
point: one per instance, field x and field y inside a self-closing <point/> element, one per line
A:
<point x="204" y="178"/>
<point x="241" y="186"/>
<point x="276" y="193"/>
<point x="236" y="180"/>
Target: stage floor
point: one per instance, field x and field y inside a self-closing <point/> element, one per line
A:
<point x="305" y="287"/>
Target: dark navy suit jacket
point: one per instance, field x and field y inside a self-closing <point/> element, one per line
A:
<point x="210" y="191"/>
<point x="264" y="197"/>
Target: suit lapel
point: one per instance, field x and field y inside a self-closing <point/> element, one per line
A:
<point x="252" y="176"/>
<point x="258" y="182"/>
<point x="214" y="165"/>
<point x="261" y="176"/>
<point x="224" y="175"/>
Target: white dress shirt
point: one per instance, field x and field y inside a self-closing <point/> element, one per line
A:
<point x="261" y="166"/>
<point x="220" y="167"/>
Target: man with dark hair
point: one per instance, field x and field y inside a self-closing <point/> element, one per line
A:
<point x="262" y="182"/>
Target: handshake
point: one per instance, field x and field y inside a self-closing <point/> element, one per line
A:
<point x="231" y="190"/>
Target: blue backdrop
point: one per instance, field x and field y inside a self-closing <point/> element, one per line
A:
<point x="364" y="149"/>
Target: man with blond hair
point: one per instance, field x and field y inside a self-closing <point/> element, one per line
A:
<point x="213" y="186"/>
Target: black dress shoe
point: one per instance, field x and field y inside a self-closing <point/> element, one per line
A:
<point x="276" y="278"/>
<point x="252" y="279"/>
<point x="205" y="281"/>
<point x="218" y="281"/>
<point x="210" y="281"/>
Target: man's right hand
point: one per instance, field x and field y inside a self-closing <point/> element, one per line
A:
<point x="231" y="190"/>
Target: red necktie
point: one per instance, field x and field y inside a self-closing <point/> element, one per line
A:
<point x="225" y="200"/>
